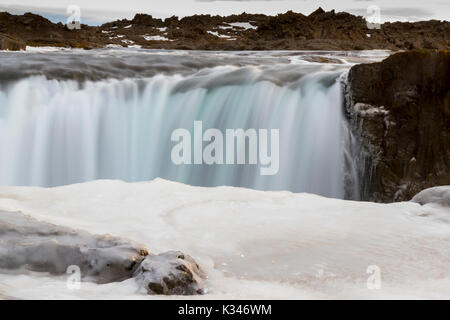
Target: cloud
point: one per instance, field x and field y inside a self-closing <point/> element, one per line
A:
<point x="90" y="17"/>
<point x="419" y="12"/>
<point x="238" y="0"/>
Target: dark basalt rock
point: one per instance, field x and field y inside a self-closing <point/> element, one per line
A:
<point x="29" y="244"/>
<point x="10" y="43"/>
<point x="320" y="30"/>
<point x="402" y="107"/>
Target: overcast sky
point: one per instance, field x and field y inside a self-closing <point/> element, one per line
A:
<point x="99" y="11"/>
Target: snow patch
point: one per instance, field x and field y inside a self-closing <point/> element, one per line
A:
<point x="439" y="195"/>
<point x="244" y="25"/>
<point x="215" y="33"/>
<point x="365" y="109"/>
<point x="155" y="38"/>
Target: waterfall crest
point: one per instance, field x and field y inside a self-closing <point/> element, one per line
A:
<point x="57" y="132"/>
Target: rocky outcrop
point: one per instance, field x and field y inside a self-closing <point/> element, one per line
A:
<point x="10" y="43"/>
<point x="289" y="31"/>
<point x="401" y="107"/>
<point x="170" y="273"/>
<point x="29" y="244"/>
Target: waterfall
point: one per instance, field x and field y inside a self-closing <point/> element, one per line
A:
<point x="57" y="132"/>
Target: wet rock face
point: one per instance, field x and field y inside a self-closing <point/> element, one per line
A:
<point x="29" y="244"/>
<point x="170" y="273"/>
<point x="402" y="108"/>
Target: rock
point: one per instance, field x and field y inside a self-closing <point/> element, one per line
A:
<point x="39" y="246"/>
<point x="10" y="43"/>
<point x="402" y="106"/>
<point x="29" y="244"/>
<point x="438" y="195"/>
<point x="170" y="273"/>
<point x="318" y="11"/>
<point x="320" y="30"/>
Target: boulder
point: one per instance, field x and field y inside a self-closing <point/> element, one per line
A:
<point x="43" y="247"/>
<point x="29" y="244"/>
<point x="170" y="273"/>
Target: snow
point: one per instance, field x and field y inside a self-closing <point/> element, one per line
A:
<point x="439" y="195"/>
<point x="48" y="49"/>
<point x="244" y="25"/>
<point x="155" y="38"/>
<point x="252" y="244"/>
<point x="215" y="33"/>
<point x="128" y="26"/>
<point x="113" y="46"/>
<point x="117" y="36"/>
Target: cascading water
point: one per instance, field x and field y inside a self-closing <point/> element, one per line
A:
<point x="57" y="132"/>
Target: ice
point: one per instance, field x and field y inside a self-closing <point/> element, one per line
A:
<point x="439" y="195"/>
<point x="251" y="244"/>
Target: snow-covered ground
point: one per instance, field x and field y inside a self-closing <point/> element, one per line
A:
<point x="252" y="244"/>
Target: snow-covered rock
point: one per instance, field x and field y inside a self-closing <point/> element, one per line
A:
<point x="39" y="246"/>
<point x="27" y="244"/>
<point x="439" y="195"/>
<point x="170" y="273"/>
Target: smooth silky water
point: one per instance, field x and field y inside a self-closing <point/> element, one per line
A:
<point x="115" y="121"/>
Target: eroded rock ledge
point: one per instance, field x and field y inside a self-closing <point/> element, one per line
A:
<point x="402" y="109"/>
<point x="289" y="31"/>
<point x="29" y="244"/>
<point x="10" y="43"/>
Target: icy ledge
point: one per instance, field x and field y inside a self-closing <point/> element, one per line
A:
<point x="438" y="195"/>
<point x="27" y="244"/>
